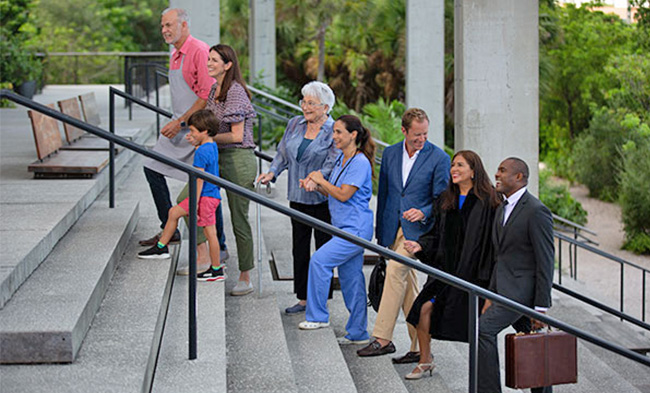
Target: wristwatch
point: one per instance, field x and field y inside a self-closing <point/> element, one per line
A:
<point x="183" y="124"/>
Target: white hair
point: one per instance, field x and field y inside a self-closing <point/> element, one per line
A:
<point x="181" y="14"/>
<point x="321" y="91"/>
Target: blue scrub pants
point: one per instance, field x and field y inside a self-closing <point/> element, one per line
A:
<point x="349" y="260"/>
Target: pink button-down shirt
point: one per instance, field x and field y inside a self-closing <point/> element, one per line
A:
<point x="195" y="66"/>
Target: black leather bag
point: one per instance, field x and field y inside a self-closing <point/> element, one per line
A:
<point x="376" y="283"/>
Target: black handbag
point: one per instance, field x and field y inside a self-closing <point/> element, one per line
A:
<point x="376" y="283"/>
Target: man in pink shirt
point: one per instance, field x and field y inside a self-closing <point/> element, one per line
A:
<point x="189" y="85"/>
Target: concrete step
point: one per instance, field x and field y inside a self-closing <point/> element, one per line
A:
<point x="317" y="361"/>
<point x="48" y="317"/>
<point x="619" y="372"/>
<point x="119" y="351"/>
<point x="174" y="372"/>
<point x="258" y="356"/>
<point x="38" y="213"/>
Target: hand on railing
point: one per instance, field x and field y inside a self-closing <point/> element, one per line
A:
<point x="265" y="178"/>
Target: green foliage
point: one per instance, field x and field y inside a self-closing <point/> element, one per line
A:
<point x="385" y="120"/>
<point x="597" y="154"/>
<point x="95" y="26"/>
<point x="18" y="61"/>
<point x="558" y="199"/>
<point x="634" y="189"/>
<point x="629" y="76"/>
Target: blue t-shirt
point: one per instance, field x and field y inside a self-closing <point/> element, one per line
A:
<point x="206" y="157"/>
<point x="354" y="215"/>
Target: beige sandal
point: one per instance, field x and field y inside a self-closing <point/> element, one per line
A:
<point x="422" y="368"/>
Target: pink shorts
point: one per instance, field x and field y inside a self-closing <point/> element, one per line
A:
<point x="206" y="210"/>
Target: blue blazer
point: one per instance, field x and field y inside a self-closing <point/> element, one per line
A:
<point x="427" y="180"/>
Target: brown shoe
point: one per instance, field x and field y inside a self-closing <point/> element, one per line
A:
<point x="410" y="357"/>
<point x="176" y="239"/>
<point x="375" y="349"/>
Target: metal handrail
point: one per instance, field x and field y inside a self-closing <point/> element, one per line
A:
<point x="128" y="82"/>
<point x="473" y="290"/>
<point x="274" y="98"/>
<point x="622" y="263"/>
<point x="573" y="224"/>
<point x="601" y="306"/>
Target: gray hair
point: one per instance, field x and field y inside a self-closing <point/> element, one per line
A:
<point x="321" y="91"/>
<point x="181" y="14"/>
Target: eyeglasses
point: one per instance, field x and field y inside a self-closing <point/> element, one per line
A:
<point x="309" y="104"/>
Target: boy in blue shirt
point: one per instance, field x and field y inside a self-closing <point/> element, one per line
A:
<point x="203" y="126"/>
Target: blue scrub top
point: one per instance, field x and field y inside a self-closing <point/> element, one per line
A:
<point x="354" y="215"/>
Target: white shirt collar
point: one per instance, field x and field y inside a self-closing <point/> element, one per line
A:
<point x="512" y="202"/>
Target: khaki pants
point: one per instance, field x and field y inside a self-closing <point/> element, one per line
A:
<point x="400" y="290"/>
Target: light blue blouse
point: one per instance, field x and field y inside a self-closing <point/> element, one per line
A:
<point x="319" y="155"/>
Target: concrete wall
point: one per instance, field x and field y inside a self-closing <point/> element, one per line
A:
<point x="261" y="41"/>
<point x="204" y="18"/>
<point x="425" y="62"/>
<point x="496" y="81"/>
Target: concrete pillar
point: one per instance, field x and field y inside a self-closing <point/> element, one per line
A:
<point x="261" y="42"/>
<point x="204" y="18"/>
<point x="425" y="62"/>
<point x="496" y="81"/>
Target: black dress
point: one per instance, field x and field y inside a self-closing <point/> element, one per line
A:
<point x="460" y="244"/>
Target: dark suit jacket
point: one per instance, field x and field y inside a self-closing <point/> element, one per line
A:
<point x="524" y="253"/>
<point x="428" y="178"/>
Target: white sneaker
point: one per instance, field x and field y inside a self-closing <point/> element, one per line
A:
<point x="306" y="325"/>
<point x="346" y="341"/>
<point x="242" y="288"/>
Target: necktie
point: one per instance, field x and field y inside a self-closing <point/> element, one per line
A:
<point x="503" y="213"/>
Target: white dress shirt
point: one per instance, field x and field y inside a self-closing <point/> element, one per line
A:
<point x="407" y="163"/>
<point x="512" y="202"/>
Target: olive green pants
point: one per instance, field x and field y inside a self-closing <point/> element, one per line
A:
<point x="238" y="166"/>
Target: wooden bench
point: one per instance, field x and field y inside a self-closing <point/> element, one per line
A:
<point x="54" y="162"/>
<point x="91" y="114"/>
<point x="78" y="139"/>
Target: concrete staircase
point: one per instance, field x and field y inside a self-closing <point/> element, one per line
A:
<point x="104" y="321"/>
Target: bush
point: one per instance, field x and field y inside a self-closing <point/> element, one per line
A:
<point x="597" y="154"/>
<point x="558" y="199"/>
<point x="635" y="192"/>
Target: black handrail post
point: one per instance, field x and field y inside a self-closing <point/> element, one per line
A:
<point x="643" y="297"/>
<point x="130" y="91"/>
<point x="192" y="262"/>
<point x="259" y="141"/>
<point x="111" y="153"/>
<point x="146" y="81"/>
<point x="559" y="261"/>
<point x="472" y="334"/>
<point x="155" y="78"/>
<point x="622" y="287"/>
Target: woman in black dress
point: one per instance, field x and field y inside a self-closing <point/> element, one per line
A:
<point x="460" y="243"/>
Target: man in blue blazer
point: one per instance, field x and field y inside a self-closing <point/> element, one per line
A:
<point x="413" y="174"/>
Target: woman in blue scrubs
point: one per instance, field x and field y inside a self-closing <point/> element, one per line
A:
<point x="349" y="195"/>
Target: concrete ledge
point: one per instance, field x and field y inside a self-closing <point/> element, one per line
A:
<point x="48" y="317"/>
<point x="38" y="213"/>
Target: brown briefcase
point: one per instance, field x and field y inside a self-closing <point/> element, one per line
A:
<point x="540" y="359"/>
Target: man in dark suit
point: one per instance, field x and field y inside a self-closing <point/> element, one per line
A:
<point x="413" y="174"/>
<point x="524" y="252"/>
